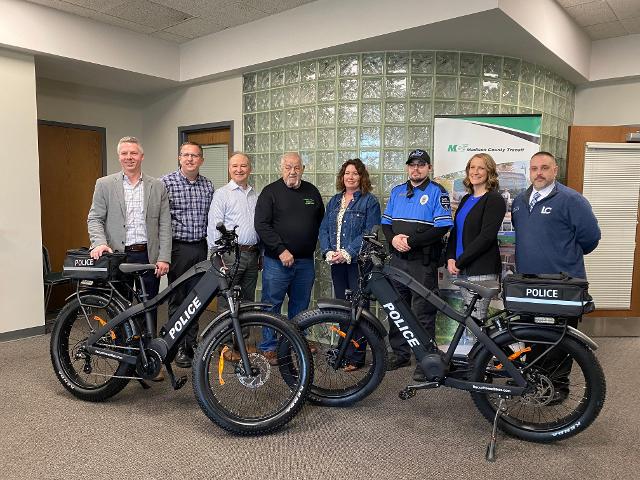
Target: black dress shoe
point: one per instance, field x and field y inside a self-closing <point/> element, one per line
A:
<point x="418" y="375"/>
<point x="184" y="357"/>
<point x="395" y="362"/>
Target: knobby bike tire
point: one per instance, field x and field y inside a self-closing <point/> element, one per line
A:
<point x="341" y="387"/>
<point x="71" y="330"/>
<point x="251" y="405"/>
<point x="543" y="415"/>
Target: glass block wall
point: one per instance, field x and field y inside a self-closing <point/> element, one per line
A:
<point x="378" y="106"/>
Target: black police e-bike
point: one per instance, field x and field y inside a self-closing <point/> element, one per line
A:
<point x="101" y="341"/>
<point x="524" y="393"/>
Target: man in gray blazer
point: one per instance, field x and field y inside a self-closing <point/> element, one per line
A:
<point x="130" y="213"/>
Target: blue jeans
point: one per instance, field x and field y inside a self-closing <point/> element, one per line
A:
<point x="277" y="281"/>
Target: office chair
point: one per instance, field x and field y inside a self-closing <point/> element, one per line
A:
<point x="50" y="278"/>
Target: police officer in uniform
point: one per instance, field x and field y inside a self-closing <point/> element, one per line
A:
<point x="417" y="216"/>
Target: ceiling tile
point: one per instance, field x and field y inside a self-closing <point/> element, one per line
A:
<point x="237" y="14"/>
<point x="120" y="22"/>
<point x="195" y="27"/>
<point x="606" y="30"/>
<point x="170" y="37"/>
<point x="625" y="8"/>
<point x="148" y="13"/>
<point x="592" y="13"/>
<point x="197" y="8"/>
<point x="571" y="3"/>
<point x="64" y="6"/>
<point x="631" y="25"/>
<point x="276" y="6"/>
<point x="98" y="5"/>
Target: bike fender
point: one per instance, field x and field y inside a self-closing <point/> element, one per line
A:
<point x="338" y="304"/>
<point x="227" y="313"/>
<point x="108" y="298"/>
<point x="572" y="332"/>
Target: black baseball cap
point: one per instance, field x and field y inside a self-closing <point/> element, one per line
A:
<point x="419" y="155"/>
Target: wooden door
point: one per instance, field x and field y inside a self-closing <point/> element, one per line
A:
<point x="71" y="160"/>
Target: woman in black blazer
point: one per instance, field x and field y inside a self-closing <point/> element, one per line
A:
<point x="472" y="250"/>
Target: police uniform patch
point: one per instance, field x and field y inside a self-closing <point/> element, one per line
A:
<point x="445" y="202"/>
<point x="424" y="199"/>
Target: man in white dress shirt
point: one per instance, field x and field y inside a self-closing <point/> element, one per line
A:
<point x="235" y="204"/>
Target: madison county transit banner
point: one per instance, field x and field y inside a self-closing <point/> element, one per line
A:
<point x="511" y="140"/>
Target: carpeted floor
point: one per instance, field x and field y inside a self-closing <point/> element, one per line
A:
<point x="45" y="433"/>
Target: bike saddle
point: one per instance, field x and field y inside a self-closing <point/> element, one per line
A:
<point x="136" y="267"/>
<point x="486" y="289"/>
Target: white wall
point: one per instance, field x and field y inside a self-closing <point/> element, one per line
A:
<point x="211" y="102"/>
<point x="613" y="103"/>
<point x="21" y="290"/>
<point x="120" y="114"/>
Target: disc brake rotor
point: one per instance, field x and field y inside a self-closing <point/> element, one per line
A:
<point x="258" y="363"/>
<point x="543" y="393"/>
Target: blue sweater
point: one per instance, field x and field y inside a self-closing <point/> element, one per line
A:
<point x="556" y="234"/>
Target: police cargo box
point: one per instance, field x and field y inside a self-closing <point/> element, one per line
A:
<point x="78" y="264"/>
<point x="557" y="295"/>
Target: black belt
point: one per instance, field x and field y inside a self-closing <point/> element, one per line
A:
<point x="249" y="248"/>
<point x="136" y="247"/>
<point x="175" y="240"/>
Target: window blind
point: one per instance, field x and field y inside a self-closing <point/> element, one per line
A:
<point x="612" y="184"/>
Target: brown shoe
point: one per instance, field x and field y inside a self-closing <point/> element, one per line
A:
<point x="272" y="357"/>
<point x="159" y="377"/>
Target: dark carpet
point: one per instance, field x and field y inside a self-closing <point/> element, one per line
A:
<point x="45" y="433"/>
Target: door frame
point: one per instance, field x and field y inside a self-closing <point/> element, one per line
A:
<point x="101" y="130"/>
<point x="184" y="131"/>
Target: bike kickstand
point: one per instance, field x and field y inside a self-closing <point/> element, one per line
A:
<point x="144" y="384"/>
<point x="491" y="448"/>
<point x="176" y="383"/>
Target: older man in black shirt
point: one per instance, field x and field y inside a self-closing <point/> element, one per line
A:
<point x="287" y="219"/>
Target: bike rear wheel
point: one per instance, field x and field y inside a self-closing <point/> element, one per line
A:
<point x="566" y="392"/>
<point x="88" y="377"/>
<point x="344" y="385"/>
<point x="251" y="404"/>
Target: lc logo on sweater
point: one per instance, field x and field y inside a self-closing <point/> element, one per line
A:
<point x="546" y="210"/>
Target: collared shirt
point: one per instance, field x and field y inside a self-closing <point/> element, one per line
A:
<point x="189" y="205"/>
<point x="543" y="193"/>
<point x="233" y="205"/>
<point x="426" y="204"/>
<point x="136" y="228"/>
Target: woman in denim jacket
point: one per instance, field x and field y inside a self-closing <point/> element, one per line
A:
<point x="349" y="214"/>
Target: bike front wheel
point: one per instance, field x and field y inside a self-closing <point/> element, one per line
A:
<point x="86" y="376"/>
<point x="263" y="400"/>
<point x="360" y="371"/>
<point x="566" y="387"/>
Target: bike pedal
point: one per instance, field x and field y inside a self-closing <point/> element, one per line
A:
<point x="179" y="382"/>
<point x="407" y="393"/>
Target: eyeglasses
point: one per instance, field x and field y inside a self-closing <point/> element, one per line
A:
<point x="296" y="168"/>
<point x="417" y="165"/>
<point x="190" y="155"/>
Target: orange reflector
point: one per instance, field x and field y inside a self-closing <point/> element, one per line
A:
<point x="343" y="335"/>
<point x="102" y="323"/>
<point x="515" y="355"/>
<point x="221" y="364"/>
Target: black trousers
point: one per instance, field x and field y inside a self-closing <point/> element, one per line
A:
<point x="185" y="255"/>
<point x="151" y="282"/>
<point x="345" y="276"/>
<point x="427" y="275"/>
